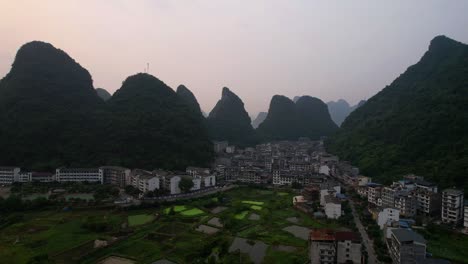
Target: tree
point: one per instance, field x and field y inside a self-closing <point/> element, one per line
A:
<point x="185" y="184"/>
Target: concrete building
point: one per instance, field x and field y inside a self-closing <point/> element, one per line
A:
<point x="387" y="215"/>
<point x="452" y="206"/>
<point x="374" y="193"/>
<point x="114" y="175"/>
<point x="42" y="177"/>
<point x="332" y="207"/>
<point x="24" y="176"/>
<point x="79" y="175"/>
<point x="322" y="247"/>
<point x="363" y="180"/>
<point x="465" y="218"/>
<point x="329" y="247"/>
<point x="220" y="146"/>
<point x="8" y="175"/>
<point x="406" y="246"/>
<point x="429" y="200"/>
<point x="348" y="248"/>
<point x="407" y="204"/>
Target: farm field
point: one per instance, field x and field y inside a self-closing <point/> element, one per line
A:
<point x="182" y="232"/>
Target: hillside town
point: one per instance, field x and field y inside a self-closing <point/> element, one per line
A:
<point x="324" y="186"/>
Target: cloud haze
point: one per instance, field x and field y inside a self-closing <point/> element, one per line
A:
<point x="328" y="49"/>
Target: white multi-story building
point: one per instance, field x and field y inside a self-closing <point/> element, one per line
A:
<point x="363" y="180"/>
<point x="388" y="215"/>
<point x="374" y="192"/>
<point x="452" y="206"/>
<point x="332" y="207"/>
<point x="429" y="200"/>
<point x="79" y="175"/>
<point x="8" y="175"/>
<point x="465" y="218"/>
<point x="24" y="176"/>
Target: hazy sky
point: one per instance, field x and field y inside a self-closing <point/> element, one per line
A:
<point x="258" y="48"/>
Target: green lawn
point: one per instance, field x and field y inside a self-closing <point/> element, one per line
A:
<point x="179" y="208"/>
<point x="241" y="215"/>
<point x="253" y="202"/>
<point x="141" y="219"/>
<point x="192" y="212"/>
<point x="444" y="243"/>
<point x="256" y="207"/>
<point x="283" y="193"/>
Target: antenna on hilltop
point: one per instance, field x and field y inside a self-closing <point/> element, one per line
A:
<point x="147" y="67"/>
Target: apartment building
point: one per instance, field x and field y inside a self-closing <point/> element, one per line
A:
<point x="327" y="246"/>
<point x="387" y="215"/>
<point x="42" y="177"/>
<point x="114" y="175"/>
<point x="79" y="175"/>
<point x="465" y="218"/>
<point x="322" y="246"/>
<point x="332" y="207"/>
<point x="348" y="248"/>
<point x="452" y="206"/>
<point x="374" y="193"/>
<point x="407" y="204"/>
<point x="24" y="176"/>
<point x="8" y="175"/>
<point x="406" y="246"/>
<point x="429" y="200"/>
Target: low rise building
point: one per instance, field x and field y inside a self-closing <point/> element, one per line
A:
<point x="24" y="176"/>
<point x="114" y="175"/>
<point x="332" y="207"/>
<point x="452" y="206"/>
<point x="406" y="246"/>
<point x="79" y="175"/>
<point x="387" y="215"/>
<point x="8" y="175"/>
<point x="329" y="246"/>
<point x="348" y="248"/>
<point x="42" y="177"/>
<point x="429" y="200"/>
<point x="374" y="193"/>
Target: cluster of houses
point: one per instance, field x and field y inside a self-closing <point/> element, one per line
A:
<point x="143" y="180"/>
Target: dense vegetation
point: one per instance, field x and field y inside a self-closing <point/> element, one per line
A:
<point x="104" y="94"/>
<point x="155" y="127"/>
<point x="340" y="109"/>
<point x="189" y="99"/>
<point x="229" y="121"/>
<point x="52" y="116"/>
<point x="48" y="110"/>
<point x="418" y="124"/>
<point x="286" y="120"/>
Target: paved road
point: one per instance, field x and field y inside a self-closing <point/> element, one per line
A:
<point x="365" y="238"/>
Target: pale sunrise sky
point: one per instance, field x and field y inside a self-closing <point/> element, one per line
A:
<point x="258" y="48"/>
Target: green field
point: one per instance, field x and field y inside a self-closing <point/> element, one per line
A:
<point x="141" y="219"/>
<point x="445" y="243"/>
<point x="253" y="202"/>
<point x="256" y="207"/>
<point x="66" y="238"/>
<point x="192" y="212"/>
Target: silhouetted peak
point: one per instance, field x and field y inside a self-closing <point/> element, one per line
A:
<point x="443" y="43"/>
<point x="103" y="93"/>
<point x="189" y="98"/>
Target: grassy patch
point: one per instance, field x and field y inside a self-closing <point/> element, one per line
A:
<point x="192" y="212"/>
<point x="283" y="193"/>
<point x="179" y="208"/>
<point x="444" y="243"/>
<point x="241" y="215"/>
<point x="253" y="202"/>
<point x="141" y="219"/>
<point x="256" y="207"/>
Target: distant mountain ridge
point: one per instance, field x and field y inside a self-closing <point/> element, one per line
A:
<point x="286" y="120"/>
<point x="259" y="119"/>
<point x="340" y="109"/>
<point x="417" y="124"/>
<point x="104" y="94"/>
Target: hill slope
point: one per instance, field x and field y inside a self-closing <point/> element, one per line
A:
<point x="155" y="127"/>
<point x="418" y="124"/>
<point x="229" y="121"/>
<point x="340" y="109"/>
<point x="48" y="110"/>
<point x="189" y="98"/>
<point x="259" y="119"/>
<point x="286" y="120"/>
<point x="104" y="94"/>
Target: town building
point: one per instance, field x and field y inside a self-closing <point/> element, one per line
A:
<point x="79" y="175"/>
<point x="322" y="247"/>
<point x="387" y="215"/>
<point x="363" y="180"/>
<point x="465" y="218"/>
<point x="429" y="200"/>
<point x="329" y="247"/>
<point x="452" y="206"/>
<point x="332" y="207"/>
<point x="24" y="176"/>
<point x="374" y="193"/>
<point x="42" y="177"/>
<point x="406" y="246"/>
<point x="8" y="175"/>
<point x="348" y="248"/>
<point x="114" y="175"/>
<point x="407" y="204"/>
<point x="220" y="146"/>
